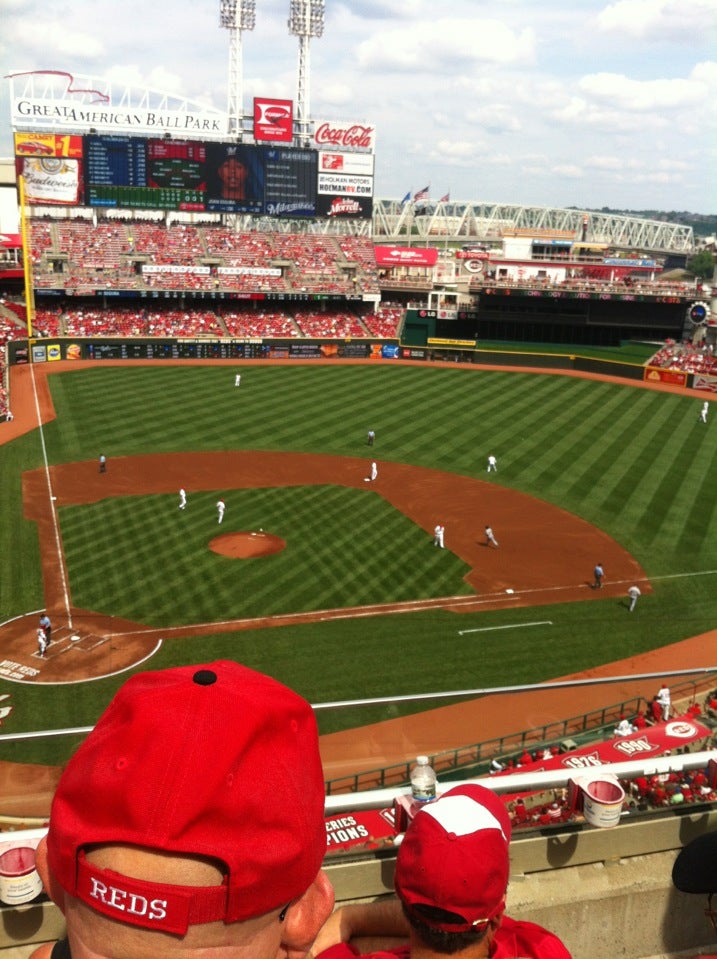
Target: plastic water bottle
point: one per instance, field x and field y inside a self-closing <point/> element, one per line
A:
<point x="423" y="780"/>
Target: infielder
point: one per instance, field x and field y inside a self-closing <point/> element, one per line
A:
<point x="182" y="499"/>
<point x="221" y="506"/>
<point x="633" y="592"/>
<point x="705" y="410"/>
<point x="492" y="464"/>
<point x="41" y="642"/>
<point x="598" y="573"/>
<point x="372" y="475"/>
<point x="438" y="535"/>
<point x="490" y="537"/>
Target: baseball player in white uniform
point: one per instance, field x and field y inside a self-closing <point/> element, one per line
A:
<point x="221" y="506"/>
<point x="41" y="642"/>
<point x="182" y="499"/>
<point x="633" y="592"/>
<point x="490" y="537"/>
<point x="704" y="412"/>
<point x="492" y="464"/>
<point x="665" y="702"/>
<point x="372" y="474"/>
<point x="237" y="379"/>
<point x="438" y="532"/>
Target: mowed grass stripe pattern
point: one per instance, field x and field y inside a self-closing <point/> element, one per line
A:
<point x="144" y="559"/>
<point x="633" y="462"/>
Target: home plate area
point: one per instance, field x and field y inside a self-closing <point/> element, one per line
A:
<point x="65" y="638"/>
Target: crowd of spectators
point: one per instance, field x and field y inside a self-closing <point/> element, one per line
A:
<point x="82" y="257"/>
<point x="642" y="793"/>
<point x="686" y="357"/>
<point x="240" y="321"/>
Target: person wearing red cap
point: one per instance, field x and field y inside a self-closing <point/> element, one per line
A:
<point x="451" y="879"/>
<point x="191" y="820"/>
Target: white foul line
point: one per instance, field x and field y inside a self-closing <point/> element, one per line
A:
<point x="488" y="629"/>
<point x="55" y="526"/>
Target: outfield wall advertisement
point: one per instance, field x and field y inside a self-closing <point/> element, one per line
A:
<point x="167" y="348"/>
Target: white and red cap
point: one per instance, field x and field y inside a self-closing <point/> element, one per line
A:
<point x="454" y="857"/>
<point x="215" y="761"/>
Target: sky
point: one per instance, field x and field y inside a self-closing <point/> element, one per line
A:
<point x="582" y="103"/>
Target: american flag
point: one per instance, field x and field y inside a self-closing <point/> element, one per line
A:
<point x="422" y="194"/>
<point x="445" y="199"/>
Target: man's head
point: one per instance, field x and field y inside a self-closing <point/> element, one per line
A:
<point x="452" y="867"/>
<point x="695" y="871"/>
<point x="195" y="804"/>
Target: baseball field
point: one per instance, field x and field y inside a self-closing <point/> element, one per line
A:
<point x="326" y="581"/>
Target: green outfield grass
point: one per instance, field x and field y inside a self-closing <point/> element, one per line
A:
<point x="634" y="462"/>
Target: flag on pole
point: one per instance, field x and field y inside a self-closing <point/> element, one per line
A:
<point x="405" y="200"/>
<point x="422" y="194"/>
<point x="445" y="199"/>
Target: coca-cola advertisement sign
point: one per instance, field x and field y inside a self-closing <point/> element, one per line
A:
<point x="334" y="135"/>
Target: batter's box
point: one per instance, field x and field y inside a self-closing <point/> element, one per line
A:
<point x="87" y="642"/>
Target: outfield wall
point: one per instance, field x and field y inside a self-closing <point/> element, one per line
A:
<point x="56" y="349"/>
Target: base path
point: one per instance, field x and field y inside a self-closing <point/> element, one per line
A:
<point x="544" y="532"/>
<point x="543" y="550"/>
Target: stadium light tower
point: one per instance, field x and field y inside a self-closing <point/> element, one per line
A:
<point x="236" y="16"/>
<point x="306" y="20"/>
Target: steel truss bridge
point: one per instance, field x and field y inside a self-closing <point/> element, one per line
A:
<point x="465" y="222"/>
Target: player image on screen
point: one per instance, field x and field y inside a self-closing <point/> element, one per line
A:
<point x="235" y="178"/>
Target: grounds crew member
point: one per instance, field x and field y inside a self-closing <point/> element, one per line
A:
<point x="191" y="821"/>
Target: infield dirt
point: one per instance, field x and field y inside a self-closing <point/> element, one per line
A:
<point x="541" y="549"/>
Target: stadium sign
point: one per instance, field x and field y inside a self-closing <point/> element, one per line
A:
<point x="345" y="185"/>
<point x="273" y="120"/>
<point x="356" y="163"/>
<point x="344" y="136"/>
<point x="71" y="115"/>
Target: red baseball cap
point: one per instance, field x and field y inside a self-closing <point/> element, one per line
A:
<point x="454" y="856"/>
<point x="215" y="761"/>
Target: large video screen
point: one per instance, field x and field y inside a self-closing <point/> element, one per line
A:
<point x="166" y="174"/>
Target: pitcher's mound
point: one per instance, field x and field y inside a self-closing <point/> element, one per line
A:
<point x="247" y="545"/>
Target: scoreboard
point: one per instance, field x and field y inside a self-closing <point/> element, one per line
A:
<point x="131" y="172"/>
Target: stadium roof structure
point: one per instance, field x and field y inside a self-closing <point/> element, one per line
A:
<point x="465" y="221"/>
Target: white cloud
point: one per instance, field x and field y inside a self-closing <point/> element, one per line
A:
<point x="658" y="20"/>
<point x="642" y="95"/>
<point x="423" y="45"/>
<point x="569" y="171"/>
<point x="57" y="37"/>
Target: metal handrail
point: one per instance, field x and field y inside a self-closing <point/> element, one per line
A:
<point x="509" y="746"/>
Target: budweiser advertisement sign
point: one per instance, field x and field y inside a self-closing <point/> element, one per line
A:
<point x="273" y="120"/>
<point x="330" y="135"/>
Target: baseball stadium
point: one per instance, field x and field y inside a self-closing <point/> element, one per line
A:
<point x="232" y="317"/>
